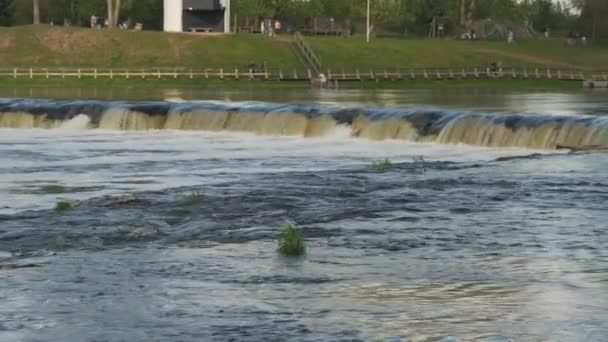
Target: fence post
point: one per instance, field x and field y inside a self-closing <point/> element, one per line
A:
<point x="222" y="73"/>
<point x="309" y="73"/>
<point x="295" y="74"/>
<point x="236" y="73"/>
<point x="175" y="73"/>
<point x="95" y="73"/>
<point x="47" y="73"/>
<point x="158" y="72"/>
<point x="280" y="74"/>
<point x="191" y="74"/>
<point x="31" y="73"/>
<point x="549" y="73"/>
<point x="14" y="72"/>
<point x="111" y="73"/>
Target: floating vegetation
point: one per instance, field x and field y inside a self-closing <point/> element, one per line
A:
<point x="291" y="240"/>
<point x="381" y="165"/>
<point x="193" y="198"/>
<point x="63" y="206"/>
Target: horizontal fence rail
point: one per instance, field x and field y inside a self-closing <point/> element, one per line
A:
<point x="300" y="74"/>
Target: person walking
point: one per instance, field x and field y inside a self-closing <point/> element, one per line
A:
<point x="510" y="37"/>
<point x="277" y="26"/>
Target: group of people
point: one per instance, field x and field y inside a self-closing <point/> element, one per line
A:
<point x="271" y="27"/>
<point x="471" y="35"/>
<point x="99" y="22"/>
<point x="575" y="39"/>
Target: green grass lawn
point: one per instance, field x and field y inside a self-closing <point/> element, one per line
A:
<point x="49" y="46"/>
<point x="46" y="46"/>
<point x="350" y="52"/>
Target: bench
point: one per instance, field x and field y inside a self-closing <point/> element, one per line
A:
<point x="200" y="29"/>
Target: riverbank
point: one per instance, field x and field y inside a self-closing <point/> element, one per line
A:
<point x="245" y="84"/>
<point x="53" y="46"/>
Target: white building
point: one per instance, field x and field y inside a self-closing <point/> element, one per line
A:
<point x="197" y="15"/>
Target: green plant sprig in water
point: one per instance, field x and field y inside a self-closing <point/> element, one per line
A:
<point x="193" y="198"/>
<point x="63" y="206"/>
<point x="291" y="240"/>
<point x="381" y="165"/>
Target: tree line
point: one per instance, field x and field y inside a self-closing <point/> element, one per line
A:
<point x="400" y="17"/>
<point x="79" y="12"/>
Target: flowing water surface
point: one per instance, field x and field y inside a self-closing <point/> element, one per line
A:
<point x="478" y="229"/>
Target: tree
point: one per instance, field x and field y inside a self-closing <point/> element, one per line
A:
<point x="36" y="7"/>
<point x="6" y="12"/>
<point x="113" y="12"/>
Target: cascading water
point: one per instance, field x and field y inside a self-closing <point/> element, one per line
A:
<point x="412" y="124"/>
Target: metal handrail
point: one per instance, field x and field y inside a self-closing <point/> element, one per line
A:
<point x="308" y="51"/>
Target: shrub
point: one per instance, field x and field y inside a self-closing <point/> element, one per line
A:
<point x="63" y="206"/>
<point x="381" y="165"/>
<point x="291" y="240"/>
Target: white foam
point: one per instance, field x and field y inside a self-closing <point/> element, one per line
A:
<point x="77" y="123"/>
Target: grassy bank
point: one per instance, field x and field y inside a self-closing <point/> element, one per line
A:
<point x="245" y="84"/>
<point x="47" y="46"/>
<point x="419" y="53"/>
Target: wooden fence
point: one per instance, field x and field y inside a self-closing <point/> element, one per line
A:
<point x="301" y="74"/>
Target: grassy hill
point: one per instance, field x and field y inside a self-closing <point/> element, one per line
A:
<point x="413" y="53"/>
<point x="43" y="46"/>
<point x="59" y="46"/>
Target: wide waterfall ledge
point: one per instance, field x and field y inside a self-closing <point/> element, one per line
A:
<point x="442" y="126"/>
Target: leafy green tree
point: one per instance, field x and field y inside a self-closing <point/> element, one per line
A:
<point x="6" y="12"/>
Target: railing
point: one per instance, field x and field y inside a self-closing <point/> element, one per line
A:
<point x="303" y="74"/>
<point x="308" y="53"/>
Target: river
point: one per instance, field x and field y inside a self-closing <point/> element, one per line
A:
<point x="476" y="229"/>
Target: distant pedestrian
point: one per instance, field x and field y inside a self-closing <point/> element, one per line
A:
<point x="547" y="32"/>
<point x="584" y="40"/>
<point x="93" y="21"/>
<point x="510" y="37"/>
<point x="277" y="26"/>
<point x="440" y="29"/>
<point x="262" y="27"/>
